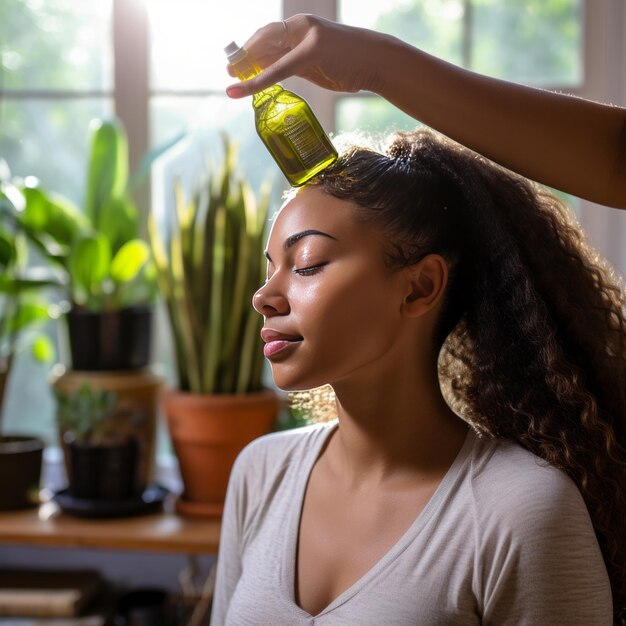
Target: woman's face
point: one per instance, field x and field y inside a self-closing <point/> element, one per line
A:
<point x="332" y="309"/>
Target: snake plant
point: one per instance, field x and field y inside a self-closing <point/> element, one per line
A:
<point x="209" y="266"/>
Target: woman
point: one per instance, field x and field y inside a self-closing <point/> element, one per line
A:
<point x="569" y="143"/>
<point x="412" y="281"/>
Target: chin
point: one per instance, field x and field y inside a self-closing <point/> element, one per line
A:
<point x="295" y="383"/>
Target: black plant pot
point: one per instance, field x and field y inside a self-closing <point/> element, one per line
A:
<point x="110" y="340"/>
<point x="118" y="470"/>
<point x="20" y="471"/>
<point x="104" y="471"/>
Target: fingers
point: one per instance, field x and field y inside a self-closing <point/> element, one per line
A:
<point x="268" y="43"/>
<point x="274" y="73"/>
<point x="284" y="49"/>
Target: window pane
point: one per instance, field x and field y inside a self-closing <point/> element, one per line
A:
<point x="188" y="39"/>
<point x="49" y="139"/>
<point x="371" y="114"/>
<point x="55" y="44"/>
<point x="530" y="42"/>
<point x="210" y="116"/>
<point x="435" y="26"/>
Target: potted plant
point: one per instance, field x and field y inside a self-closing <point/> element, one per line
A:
<point x="209" y="264"/>
<point x="111" y="281"/>
<point x="101" y="461"/>
<point x="23" y="311"/>
<point x="109" y="278"/>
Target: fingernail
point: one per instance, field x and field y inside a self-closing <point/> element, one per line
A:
<point x="234" y="91"/>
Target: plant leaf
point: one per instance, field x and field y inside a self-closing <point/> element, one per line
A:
<point x="119" y="221"/>
<point x="28" y="314"/>
<point x="29" y="279"/>
<point x="43" y="349"/>
<point x="7" y="249"/>
<point x="89" y="264"/>
<point x="107" y="174"/>
<point x="129" y="260"/>
<point x="48" y="215"/>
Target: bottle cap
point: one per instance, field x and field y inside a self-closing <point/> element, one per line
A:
<point x="234" y="53"/>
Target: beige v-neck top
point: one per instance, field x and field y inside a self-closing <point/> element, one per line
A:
<point x="504" y="540"/>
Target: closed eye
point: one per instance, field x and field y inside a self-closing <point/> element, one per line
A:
<point x="308" y="271"/>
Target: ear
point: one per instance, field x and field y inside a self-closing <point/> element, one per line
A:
<point x="426" y="284"/>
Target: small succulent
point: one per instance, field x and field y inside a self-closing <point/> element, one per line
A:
<point x="86" y="413"/>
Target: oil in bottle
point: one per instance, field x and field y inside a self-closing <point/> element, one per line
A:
<point x="286" y="124"/>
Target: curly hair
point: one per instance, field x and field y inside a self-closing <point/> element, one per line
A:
<point x="532" y="329"/>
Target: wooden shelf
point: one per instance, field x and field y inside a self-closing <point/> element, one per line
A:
<point x="160" y="532"/>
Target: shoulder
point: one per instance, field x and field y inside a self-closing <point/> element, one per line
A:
<point x="512" y="485"/>
<point x="267" y="458"/>
<point x="527" y="509"/>
<point x="536" y="550"/>
<point x="282" y="444"/>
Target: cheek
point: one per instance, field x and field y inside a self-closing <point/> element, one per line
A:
<point x="355" y="313"/>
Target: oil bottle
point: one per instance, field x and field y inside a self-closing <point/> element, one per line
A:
<point x="286" y="124"/>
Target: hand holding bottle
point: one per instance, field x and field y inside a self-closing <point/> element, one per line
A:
<point x="285" y="123"/>
<point x="329" y="54"/>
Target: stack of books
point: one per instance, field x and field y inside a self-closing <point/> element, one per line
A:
<point x="38" y="597"/>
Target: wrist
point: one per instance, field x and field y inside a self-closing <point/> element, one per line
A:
<point x="387" y="60"/>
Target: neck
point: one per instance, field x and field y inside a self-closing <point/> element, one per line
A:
<point x="262" y="96"/>
<point x="394" y="429"/>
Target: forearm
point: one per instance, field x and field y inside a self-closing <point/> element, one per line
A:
<point x="562" y="141"/>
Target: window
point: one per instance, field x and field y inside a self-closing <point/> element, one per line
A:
<point x="188" y="77"/>
<point x="537" y="43"/>
<point x="55" y="76"/>
<point x="160" y="65"/>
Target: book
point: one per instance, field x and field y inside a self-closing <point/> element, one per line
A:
<point x="88" y="620"/>
<point x="28" y="592"/>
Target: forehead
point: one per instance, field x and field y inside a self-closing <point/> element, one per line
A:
<point x="311" y="208"/>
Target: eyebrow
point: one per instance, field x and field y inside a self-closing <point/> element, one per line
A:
<point x="293" y="239"/>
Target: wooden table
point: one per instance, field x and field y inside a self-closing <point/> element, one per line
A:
<point x="160" y="532"/>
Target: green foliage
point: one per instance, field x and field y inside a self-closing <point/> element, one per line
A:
<point x="209" y="266"/>
<point x="107" y="264"/>
<point x="23" y="308"/>
<point x="86" y="413"/>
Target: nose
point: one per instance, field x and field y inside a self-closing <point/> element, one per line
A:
<point x="269" y="302"/>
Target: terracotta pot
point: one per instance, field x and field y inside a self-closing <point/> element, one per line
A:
<point x="20" y="471"/>
<point x="208" y="432"/>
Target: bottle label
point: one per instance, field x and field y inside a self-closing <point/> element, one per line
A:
<point x="310" y="148"/>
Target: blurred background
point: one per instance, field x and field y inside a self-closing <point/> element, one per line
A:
<point x="159" y="66"/>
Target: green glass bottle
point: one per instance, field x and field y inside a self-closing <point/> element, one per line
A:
<point x="286" y="124"/>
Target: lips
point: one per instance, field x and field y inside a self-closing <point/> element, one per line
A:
<point x="276" y="342"/>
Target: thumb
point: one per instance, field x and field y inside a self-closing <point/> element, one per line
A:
<point x="248" y="87"/>
<point x="281" y="69"/>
